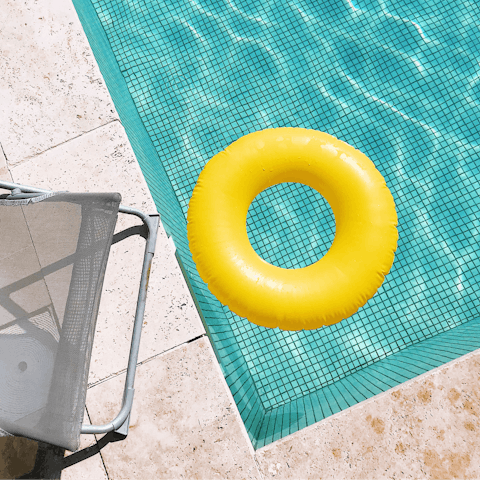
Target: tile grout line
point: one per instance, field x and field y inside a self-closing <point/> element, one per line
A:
<point x="6" y="161"/>
<point x="28" y="159"/>
<point x="235" y="409"/>
<point x="149" y="359"/>
<point x="99" y="449"/>
<point x="262" y="476"/>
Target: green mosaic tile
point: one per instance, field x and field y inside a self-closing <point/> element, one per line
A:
<point x="399" y="81"/>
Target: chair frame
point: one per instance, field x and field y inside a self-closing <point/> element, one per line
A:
<point x="120" y="423"/>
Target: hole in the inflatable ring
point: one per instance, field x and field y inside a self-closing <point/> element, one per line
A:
<point x="290" y="225"/>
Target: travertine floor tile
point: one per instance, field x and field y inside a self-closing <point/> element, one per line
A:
<point x="4" y="173"/>
<point x="425" y="428"/>
<point x="184" y="423"/>
<point x="102" y="160"/>
<point x="89" y="469"/>
<point x="51" y="89"/>
<point x="99" y="160"/>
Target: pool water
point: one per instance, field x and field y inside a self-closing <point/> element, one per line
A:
<point x="398" y="80"/>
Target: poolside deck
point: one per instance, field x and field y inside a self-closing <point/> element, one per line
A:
<point x="59" y="129"/>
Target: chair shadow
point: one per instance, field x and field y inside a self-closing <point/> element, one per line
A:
<point x="88" y="452"/>
<point x="50" y="460"/>
<point x="17" y="454"/>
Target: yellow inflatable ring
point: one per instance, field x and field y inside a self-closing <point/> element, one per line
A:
<point x="323" y="293"/>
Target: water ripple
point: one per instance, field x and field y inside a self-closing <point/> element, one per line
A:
<point x="399" y="80"/>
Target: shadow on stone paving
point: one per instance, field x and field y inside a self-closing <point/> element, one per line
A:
<point x="21" y="458"/>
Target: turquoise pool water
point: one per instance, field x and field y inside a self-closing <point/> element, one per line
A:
<point x="398" y="80"/>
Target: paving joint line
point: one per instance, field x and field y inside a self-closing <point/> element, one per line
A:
<point x="153" y="357"/>
<point x="28" y="159"/>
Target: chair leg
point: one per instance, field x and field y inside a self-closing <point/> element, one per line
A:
<point x="123" y="429"/>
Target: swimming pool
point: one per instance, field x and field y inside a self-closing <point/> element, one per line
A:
<point x="398" y="80"/>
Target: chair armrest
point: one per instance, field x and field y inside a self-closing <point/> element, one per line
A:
<point x="120" y="422"/>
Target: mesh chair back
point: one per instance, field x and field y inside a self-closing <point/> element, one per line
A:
<point x="53" y="255"/>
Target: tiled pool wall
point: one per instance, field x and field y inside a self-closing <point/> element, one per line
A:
<point x="425" y="314"/>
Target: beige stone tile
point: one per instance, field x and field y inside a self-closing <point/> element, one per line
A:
<point x="425" y="428"/>
<point x="4" y="173"/>
<point x="90" y="468"/>
<point x="15" y="238"/>
<point x="102" y="160"/>
<point x="170" y="315"/>
<point x="50" y="85"/>
<point x="184" y="423"/>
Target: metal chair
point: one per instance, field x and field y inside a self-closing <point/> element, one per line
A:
<point x="54" y="248"/>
